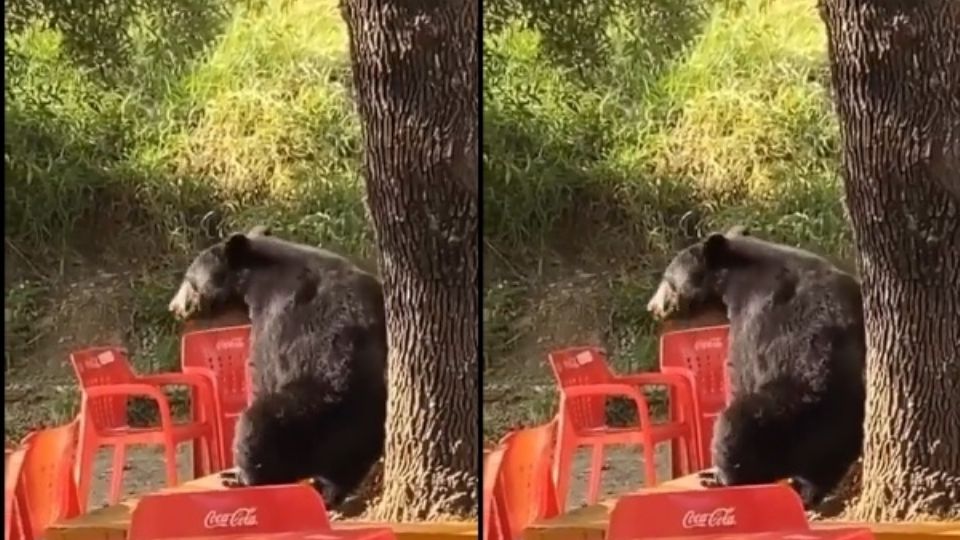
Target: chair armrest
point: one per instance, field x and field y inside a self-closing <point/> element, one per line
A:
<point x="169" y="379"/>
<point x="200" y="370"/>
<point x="195" y="376"/>
<point x="132" y="389"/>
<point x="200" y="378"/>
<point x="611" y="390"/>
<point x="684" y="384"/>
<point x="655" y="378"/>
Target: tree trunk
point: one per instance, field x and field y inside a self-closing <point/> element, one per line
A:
<point x="415" y="77"/>
<point x="895" y="66"/>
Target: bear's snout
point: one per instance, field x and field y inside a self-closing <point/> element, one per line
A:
<point x="184" y="302"/>
<point x="663" y="301"/>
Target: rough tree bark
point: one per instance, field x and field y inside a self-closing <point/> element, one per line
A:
<point x="895" y="66"/>
<point x="415" y="76"/>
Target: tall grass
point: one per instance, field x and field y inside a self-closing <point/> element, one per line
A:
<point x="733" y="125"/>
<point x="257" y="127"/>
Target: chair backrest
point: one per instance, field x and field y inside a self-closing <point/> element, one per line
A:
<point x="257" y="510"/>
<point x="103" y="366"/>
<point x="528" y="492"/>
<point x="702" y="354"/>
<point x="579" y="366"/>
<point x="225" y="351"/>
<point x="738" y="510"/>
<point x="47" y="485"/>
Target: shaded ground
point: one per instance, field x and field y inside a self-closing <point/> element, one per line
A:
<point x="143" y="474"/>
<point x="623" y="472"/>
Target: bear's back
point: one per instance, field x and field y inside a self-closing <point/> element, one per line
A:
<point x="803" y="318"/>
<point x="318" y="315"/>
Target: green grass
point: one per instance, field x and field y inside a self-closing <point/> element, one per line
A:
<point x="736" y="124"/>
<point x="261" y="128"/>
<point x="612" y="170"/>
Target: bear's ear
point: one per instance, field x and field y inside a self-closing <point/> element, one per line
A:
<point x="237" y="250"/>
<point x="259" y="230"/>
<point x="716" y="251"/>
<point x="738" y="230"/>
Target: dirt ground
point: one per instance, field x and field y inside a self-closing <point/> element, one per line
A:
<point x="144" y="472"/>
<point x="622" y="473"/>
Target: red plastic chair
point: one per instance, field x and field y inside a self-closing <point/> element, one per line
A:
<point x="524" y="487"/>
<point x="699" y="355"/>
<point x="44" y="488"/>
<point x="220" y="355"/>
<point x="13" y="518"/>
<point x="733" y="510"/>
<point x="494" y="523"/>
<point x="585" y="383"/>
<point x="106" y="382"/>
<point x="745" y="512"/>
<point x="287" y="511"/>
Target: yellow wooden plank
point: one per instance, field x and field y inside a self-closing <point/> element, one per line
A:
<point x="112" y="522"/>
<point x="590" y="522"/>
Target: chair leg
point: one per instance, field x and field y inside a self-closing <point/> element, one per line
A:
<point x="198" y="458"/>
<point x="693" y="457"/>
<point x="649" y="462"/>
<point x="85" y="467"/>
<point x="213" y="461"/>
<point x="225" y="448"/>
<point x="564" y="468"/>
<point x="596" y="474"/>
<point x="116" y="475"/>
<point x="677" y="464"/>
<point x="170" y="461"/>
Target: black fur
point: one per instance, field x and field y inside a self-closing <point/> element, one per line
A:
<point x="318" y="359"/>
<point x="796" y="360"/>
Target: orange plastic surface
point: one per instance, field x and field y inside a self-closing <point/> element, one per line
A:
<point x="251" y="510"/>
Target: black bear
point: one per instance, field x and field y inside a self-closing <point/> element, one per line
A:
<point x="796" y="359"/>
<point x="318" y="358"/>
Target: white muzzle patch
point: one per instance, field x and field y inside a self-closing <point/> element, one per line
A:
<point x="184" y="302"/>
<point x="663" y="301"/>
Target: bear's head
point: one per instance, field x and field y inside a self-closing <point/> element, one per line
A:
<point x="211" y="283"/>
<point x="691" y="283"/>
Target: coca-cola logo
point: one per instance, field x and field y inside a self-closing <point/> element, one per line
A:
<point x="235" y="343"/>
<point x="712" y="343"/>
<point x="719" y="517"/>
<point x="241" y="517"/>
